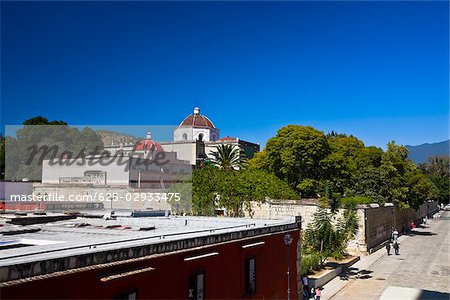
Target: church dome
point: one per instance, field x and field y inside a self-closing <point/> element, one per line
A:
<point x="148" y="145"/>
<point x="197" y="120"/>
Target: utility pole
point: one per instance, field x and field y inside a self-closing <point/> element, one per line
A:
<point x="288" y="242"/>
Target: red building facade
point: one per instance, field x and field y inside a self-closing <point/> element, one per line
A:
<point x="241" y="264"/>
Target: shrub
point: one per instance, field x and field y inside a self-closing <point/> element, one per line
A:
<point x="351" y="202"/>
<point x="309" y="263"/>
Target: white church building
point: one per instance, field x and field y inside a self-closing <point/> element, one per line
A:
<point x="195" y="139"/>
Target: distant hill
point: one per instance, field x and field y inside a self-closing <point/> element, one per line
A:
<point x="115" y="138"/>
<point x="420" y="153"/>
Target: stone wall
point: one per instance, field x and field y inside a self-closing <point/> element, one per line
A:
<point x="278" y="209"/>
<point x="380" y="221"/>
<point x="374" y="223"/>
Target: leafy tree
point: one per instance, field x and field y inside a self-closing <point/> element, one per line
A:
<point x="325" y="239"/>
<point x="42" y="140"/>
<point x="321" y="236"/>
<point x="347" y="225"/>
<point x="42" y="121"/>
<point x="368" y="157"/>
<point x="439" y="166"/>
<point x="352" y="202"/>
<point x="294" y="155"/>
<point x="229" y="157"/>
<point x="204" y="187"/>
<point x="368" y="182"/>
<point x="183" y="188"/>
<point x="437" y="171"/>
<point x="234" y="191"/>
<point x="406" y="185"/>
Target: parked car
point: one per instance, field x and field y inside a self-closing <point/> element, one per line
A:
<point x="447" y="207"/>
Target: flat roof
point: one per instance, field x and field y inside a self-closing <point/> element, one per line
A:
<point x="85" y="235"/>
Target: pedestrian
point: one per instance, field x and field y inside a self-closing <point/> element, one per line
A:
<point x="318" y="293"/>
<point x="396" y="248"/>
<point x="413" y="225"/>
<point x="394" y="235"/>
<point x="388" y="247"/>
<point x="306" y="290"/>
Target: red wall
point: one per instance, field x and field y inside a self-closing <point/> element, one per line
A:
<point x="224" y="275"/>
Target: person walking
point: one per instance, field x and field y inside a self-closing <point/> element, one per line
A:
<point x="396" y="248"/>
<point x="388" y="247"/>
<point x="306" y="290"/>
<point x="318" y="293"/>
<point x="394" y="235"/>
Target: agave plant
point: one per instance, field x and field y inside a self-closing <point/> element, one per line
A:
<point x="229" y="157"/>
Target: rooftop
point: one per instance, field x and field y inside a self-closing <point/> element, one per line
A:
<point x="97" y="236"/>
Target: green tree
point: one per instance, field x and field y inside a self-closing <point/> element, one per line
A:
<point x="437" y="171"/>
<point x="324" y="238"/>
<point x="182" y="189"/>
<point x="439" y="166"/>
<point x="204" y="190"/>
<point x="294" y="155"/>
<point x="39" y="139"/>
<point x="229" y="157"/>
<point x="368" y="182"/>
<point x="216" y="188"/>
<point x="42" y="121"/>
<point x="406" y="185"/>
<point x="321" y="237"/>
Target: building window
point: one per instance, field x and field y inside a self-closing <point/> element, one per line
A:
<point x="126" y="296"/>
<point x="196" y="286"/>
<point x="250" y="276"/>
<point x="184" y="137"/>
<point x="200" y="137"/>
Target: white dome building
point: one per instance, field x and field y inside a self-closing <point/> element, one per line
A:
<point x="196" y="127"/>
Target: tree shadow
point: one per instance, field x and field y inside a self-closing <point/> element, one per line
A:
<point x="355" y="273"/>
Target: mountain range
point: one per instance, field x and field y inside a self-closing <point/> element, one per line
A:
<point x="420" y="153"/>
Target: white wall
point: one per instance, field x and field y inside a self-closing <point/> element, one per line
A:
<point x="185" y="151"/>
<point x="115" y="174"/>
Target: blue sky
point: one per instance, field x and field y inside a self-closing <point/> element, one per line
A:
<point x="378" y="69"/>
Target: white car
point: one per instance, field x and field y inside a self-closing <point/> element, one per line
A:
<point x="447" y="207"/>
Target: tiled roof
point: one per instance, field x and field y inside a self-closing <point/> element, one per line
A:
<point x="197" y="120"/>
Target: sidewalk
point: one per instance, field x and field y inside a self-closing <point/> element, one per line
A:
<point x="358" y="270"/>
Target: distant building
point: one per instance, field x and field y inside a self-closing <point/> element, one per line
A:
<point x="149" y="258"/>
<point x="195" y="139"/>
<point x="123" y="174"/>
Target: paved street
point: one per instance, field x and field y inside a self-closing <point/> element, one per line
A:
<point x="421" y="271"/>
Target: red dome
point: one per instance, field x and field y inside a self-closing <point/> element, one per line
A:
<point x="197" y="120"/>
<point x="148" y="145"/>
<point x="228" y="139"/>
